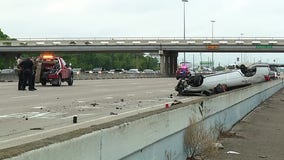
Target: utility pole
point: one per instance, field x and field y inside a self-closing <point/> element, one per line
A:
<point x="184" y="1"/>
<point x="212" y="31"/>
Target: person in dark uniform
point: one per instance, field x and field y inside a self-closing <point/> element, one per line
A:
<point x="33" y="74"/>
<point x="20" y="73"/>
<point x="27" y="71"/>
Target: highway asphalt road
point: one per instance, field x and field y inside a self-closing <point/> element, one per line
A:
<point x="28" y="112"/>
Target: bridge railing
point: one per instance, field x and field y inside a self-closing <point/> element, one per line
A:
<point x="144" y="41"/>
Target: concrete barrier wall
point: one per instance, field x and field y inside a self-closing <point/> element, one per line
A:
<point x="91" y="76"/>
<point x="158" y="134"/>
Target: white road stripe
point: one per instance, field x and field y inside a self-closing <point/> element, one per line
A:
<point x="54" y="129"/>
<point x="25" y="96"/>
<point x="79" y="124"/>
<point x="73" y="125"/>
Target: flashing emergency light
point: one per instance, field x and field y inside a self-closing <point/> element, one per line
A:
<point x="183" y="67"/>
<point x="47" y="56"/>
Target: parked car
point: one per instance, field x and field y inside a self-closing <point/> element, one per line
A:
<point x="133" y="71"/>
<point x="7" y="71"/>
<point x="119" y="70"/>
<point x="223" y="81"/>
<point x="273" y="75"/>
<point x="98" y="70"/>
<point x="89" y="71"/>
<point x="151" y="71"/>
<point x="77" y="70"/>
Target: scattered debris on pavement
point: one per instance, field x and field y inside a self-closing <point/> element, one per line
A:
<point x="112" y="113"/>
<point x="37" y="128"/>
<point x="232" y="152"/>
<point x="176" y="102"/>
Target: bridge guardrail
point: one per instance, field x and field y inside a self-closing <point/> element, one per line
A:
<point x="143" y="41"/>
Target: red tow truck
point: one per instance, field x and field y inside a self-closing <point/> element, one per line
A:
<point x="52" y="69"/>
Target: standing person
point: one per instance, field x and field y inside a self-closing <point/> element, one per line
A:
<point x="33" y="74"/>
<point x="27" y="69"/>
<point x="20" y="73"/>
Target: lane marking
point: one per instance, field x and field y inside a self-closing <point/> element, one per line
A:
<point x="74" y="126"/>
<point x="148" y="92"/>
<point x="40" y="115"/>
<point x="54" y="129"/>
<point x="25" y="96"/>
<point x="78" y="124"/>
<point x="39" y="107"/>
<point x="70" y="117"/>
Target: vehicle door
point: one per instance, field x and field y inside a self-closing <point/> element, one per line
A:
<point x="64" y="70"/>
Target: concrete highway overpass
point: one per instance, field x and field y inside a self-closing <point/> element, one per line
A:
<point x="167" y="48"/>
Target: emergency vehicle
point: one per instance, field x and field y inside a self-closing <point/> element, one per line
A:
<point x="53" y="69"/>
<point x="184" y="70"/>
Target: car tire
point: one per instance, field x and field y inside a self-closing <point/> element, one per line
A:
<point x="197" y="81"/>
<point x="43" y="83"/>
<point x="70" y="81"/>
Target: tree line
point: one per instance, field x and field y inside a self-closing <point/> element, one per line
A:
<point x="88" y="61"/>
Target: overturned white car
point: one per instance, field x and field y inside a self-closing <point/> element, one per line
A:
<point x="223" y="81"/>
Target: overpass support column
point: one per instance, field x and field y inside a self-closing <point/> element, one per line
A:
<point x="173" y="63"/>
<point x="168" y="62"/>
<point x="162" y="62"/>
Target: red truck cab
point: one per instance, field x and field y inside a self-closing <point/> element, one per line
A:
<point x="53" y="69"/>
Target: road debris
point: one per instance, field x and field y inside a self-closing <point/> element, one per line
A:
<point x="112" y="113"/>
<point x="232" y="152"/>
<point x="75" y="118"/>
<point x="37" y="128"/>
<point x="94" y="104"/>
<point x="262" y="156"/>
<point x="167" y="106"/>
<point x="176" y="102"/>
<point x="218" y="145"/>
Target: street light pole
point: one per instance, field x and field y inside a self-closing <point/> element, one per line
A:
<point x="212" y="28"/>
<point x="184" y="1"/>
<point x="242" y="56"/>
<point x="212" y="31"/>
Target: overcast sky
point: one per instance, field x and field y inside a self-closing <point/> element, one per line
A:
<point x="141" y="18"/>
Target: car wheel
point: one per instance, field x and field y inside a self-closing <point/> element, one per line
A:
<point x="43" y="83"/>
<point x="197" y="81"/>
<point x="180" y="87"/>
<point x="70" y="80"/>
